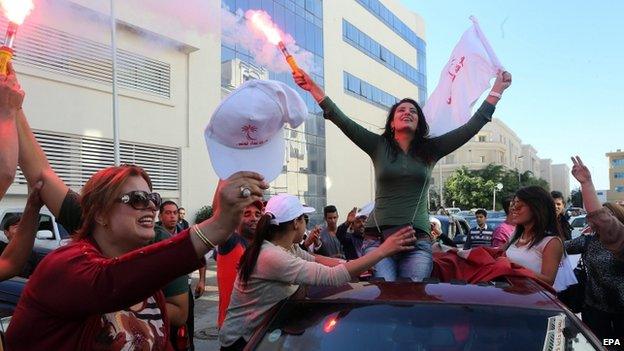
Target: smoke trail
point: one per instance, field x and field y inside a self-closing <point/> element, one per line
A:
<point x="236" y="29"/>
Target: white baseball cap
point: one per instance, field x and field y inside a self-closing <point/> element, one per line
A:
<point x="286" y="207"/>
<point x="245" y="133"/>
<point x="365" y="210"/>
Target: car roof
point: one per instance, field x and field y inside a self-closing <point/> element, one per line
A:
<point x="512" y="292"/>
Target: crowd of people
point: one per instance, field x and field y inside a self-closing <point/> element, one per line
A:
<point x="122" y="282"/>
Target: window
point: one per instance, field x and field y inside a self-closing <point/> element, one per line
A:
<point x="482" y="159"/>
<point x="369" y="92"/>
<point x="619" y="189"/>
<point x="618" y="175"/>
<point x="482" y="138"/>
<point x="618" y="162"/>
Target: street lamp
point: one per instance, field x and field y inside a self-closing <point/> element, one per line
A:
<point x="497" y="187"/>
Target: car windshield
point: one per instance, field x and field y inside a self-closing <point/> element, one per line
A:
<point x="333" y="326"/>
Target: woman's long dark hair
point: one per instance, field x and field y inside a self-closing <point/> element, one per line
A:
<point x="542" y="208"/>
<point x="420" y="135"/>
<point x="264" y="231"/>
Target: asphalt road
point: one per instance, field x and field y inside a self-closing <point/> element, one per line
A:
<point x="206" y="311"/>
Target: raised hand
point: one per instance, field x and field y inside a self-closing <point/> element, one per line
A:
<point x="580" y="171"/>
<point x="305" y="82"/>
<point x="11" y="93"/>
<point x="502" y="82"/>
<point x="234" y="194"/>
<point x="351" y="215"/>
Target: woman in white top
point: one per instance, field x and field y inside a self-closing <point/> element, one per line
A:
<point x="536" y="244"/>
<point x="273" y="267"/>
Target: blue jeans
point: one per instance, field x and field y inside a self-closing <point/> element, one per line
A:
<point x="415" y="264"/>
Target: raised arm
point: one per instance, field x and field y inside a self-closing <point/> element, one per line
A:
<point x="18" y="250"/>
<point x="362" y="137"/>
<point x="451" y="141"/>
<point x="610" y="230"/>
<point x="11" y="98"/>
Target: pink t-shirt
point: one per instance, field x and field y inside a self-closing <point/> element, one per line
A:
<point x="502" y="234"/>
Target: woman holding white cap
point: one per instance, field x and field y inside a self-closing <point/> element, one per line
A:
<point x="273" y="267"/>
<point x="403" y="157"/>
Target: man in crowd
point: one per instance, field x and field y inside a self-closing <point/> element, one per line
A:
<point x="228" y="255"/>
<point x="480" y="235"/>
<point x="562" y="217"/>
<point x="351" y="233"/>
<point x="505" y="230"/>
<point x="182" y="223"/>
<point x="180" y="304"/>
<point x="331" y="246"/>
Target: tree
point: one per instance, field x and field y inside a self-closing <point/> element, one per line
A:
<point x="474" y="189"/>
<point x="203" y="214"/>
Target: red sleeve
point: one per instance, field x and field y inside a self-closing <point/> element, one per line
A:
<point x="78" y="280"/>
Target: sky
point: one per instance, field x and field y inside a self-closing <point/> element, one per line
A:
<point x="567" y="62"/>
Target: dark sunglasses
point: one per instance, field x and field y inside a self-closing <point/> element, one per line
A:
<point x="140" y="200"/>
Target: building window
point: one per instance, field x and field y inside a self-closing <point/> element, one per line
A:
<point x="367" y="91"/>
<point x="381" y="54"/>
<point x="619" y="189"/>
<point x="618" y="175"/>
<point x="482" y="138"/>
<point x="482" y="159"/>
<point x="618" y="162"/>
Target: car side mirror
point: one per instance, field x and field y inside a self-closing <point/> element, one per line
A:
<point x="45" y="235"/>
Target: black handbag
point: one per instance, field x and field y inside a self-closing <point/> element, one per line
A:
<point x="574" y="296"/>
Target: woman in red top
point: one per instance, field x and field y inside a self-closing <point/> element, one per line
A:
<point x="102" y="292"/>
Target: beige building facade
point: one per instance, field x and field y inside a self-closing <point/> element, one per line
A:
<point x="616" y="176"/>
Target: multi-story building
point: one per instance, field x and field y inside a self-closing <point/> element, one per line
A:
<point x="561" y="179"/>
<point x="546" y="170"/>
<point x="172" y="76"/>
<point x="616" y="176"/>
<point x="496" y="143"/>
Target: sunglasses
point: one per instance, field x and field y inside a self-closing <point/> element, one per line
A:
<point x="140" y="200"/>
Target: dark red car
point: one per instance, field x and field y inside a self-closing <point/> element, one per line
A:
<point x="515" y="314"/>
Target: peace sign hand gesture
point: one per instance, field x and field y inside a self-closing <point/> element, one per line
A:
<point x="580" y="171"/>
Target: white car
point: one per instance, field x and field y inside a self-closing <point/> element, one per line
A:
<point x="578" y="223"/>
<point x="50" y="234"/>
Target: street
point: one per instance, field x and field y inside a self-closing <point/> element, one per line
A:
<point x="206" y="310"/>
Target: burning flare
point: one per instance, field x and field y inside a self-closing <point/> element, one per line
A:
<point x="262" y="22"/>
<point x="15" y="11"/>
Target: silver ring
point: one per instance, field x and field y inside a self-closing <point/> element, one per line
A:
<point x="245" y="191"/>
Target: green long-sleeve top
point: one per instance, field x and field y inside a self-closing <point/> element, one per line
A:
<point x="401" y="183"/>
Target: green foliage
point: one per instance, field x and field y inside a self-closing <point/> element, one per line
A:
<point x="203" y="214"/>
<point x="474" y="189"/>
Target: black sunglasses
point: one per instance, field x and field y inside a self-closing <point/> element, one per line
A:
<point x="140" y="200"/>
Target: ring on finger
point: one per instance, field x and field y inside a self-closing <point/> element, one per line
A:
<point x="245" y="191"/>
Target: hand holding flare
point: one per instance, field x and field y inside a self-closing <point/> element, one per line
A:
<point x="262" y="22"/>
<point x="15" y="11"/>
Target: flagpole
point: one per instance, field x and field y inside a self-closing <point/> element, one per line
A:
<point x="486" y="43"/>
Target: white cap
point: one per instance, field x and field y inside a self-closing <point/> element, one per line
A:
<point x="285" y="208"/>
<point x="245" y="132"/>
<point x="365" y="210"/>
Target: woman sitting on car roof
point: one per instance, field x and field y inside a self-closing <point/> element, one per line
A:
<point x="274" y="266"/>
<point x="102" y="291"/>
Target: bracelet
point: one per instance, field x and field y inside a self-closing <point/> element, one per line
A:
<point x="201" y="236"/>
<point x="495" y="94"/>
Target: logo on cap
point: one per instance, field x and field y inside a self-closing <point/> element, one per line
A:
<point x="248" y="129"/>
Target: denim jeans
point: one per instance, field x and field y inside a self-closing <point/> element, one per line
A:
<point x="415" y="264"/>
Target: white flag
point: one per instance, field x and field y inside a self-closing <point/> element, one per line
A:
<point x="464" y="78"/>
